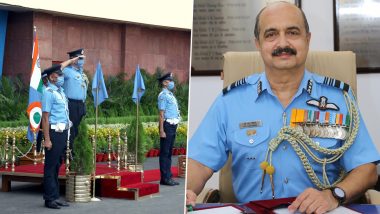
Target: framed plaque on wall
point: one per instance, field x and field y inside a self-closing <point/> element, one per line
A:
<point x="220" y="26"/>
<point x="357" y="29"/>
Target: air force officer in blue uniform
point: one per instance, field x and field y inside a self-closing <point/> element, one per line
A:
<point x="56" y="123"/>
<point x="75" y="86"/>
<point x="169" y="118"/>
<point x="291" y="133"/>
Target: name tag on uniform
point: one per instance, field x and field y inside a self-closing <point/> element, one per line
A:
<point x="256" y="123"/>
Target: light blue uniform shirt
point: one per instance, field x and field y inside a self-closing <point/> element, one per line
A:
<point x="74" y="85"/>
<point x="168" y="103"/>
<point x="219" y="133"/>
<point x="54" y="101"/>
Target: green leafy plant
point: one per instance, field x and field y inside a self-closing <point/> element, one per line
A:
<point x="83" y="158"/>
<point x="13" y="99"/>
<point x="14" y="95"/>
<point x="143" y="143"/>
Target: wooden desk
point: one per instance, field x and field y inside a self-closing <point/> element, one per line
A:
<point x="362" y="208"/>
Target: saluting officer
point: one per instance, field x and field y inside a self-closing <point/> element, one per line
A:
<point x="169" y="118"/>
<point x="56" y="123"/>
<point x="76" y="83"/>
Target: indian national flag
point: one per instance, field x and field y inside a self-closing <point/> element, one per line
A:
<point x="35" y="93"/>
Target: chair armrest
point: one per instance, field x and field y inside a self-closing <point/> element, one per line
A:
<point x="372" y="196"/>
<point x="208" y="195"/>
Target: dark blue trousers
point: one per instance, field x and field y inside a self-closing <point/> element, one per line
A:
<point x="52" y="164"/>
<point x="77" y="110"/>
<point x="166" y="147"/>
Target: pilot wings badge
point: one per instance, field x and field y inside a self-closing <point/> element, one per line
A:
<point x="322" y="104"/>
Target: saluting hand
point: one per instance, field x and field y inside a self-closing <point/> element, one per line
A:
<point x="48" y="144"/>
<point x="74" y="60"/>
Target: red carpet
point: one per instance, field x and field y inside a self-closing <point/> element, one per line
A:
<point x="154" y="174"/>
<point x="130" y="185"/>
<point x="122" y="184"/>
<point x="101" y="169"/>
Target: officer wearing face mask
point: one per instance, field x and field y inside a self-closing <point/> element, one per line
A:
<point x="56" y="123"/>
<point x="169" y="118"/>
<point x="45" y="83"/>
<point x="76" y="83"/>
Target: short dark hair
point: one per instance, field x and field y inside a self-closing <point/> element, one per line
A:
<point x="257" y="27"/>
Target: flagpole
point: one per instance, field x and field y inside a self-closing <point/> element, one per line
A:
<point x="137" y="130"/>
<point x="94" y="158"/>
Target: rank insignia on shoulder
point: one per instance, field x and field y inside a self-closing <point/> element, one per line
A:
<point x="233" y="85"/>
<point x="256" y="123"/>
<point x="336" y="83"/>
<point x="322" y="104"/>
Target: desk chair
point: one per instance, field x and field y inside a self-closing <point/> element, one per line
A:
<point x="338" y="65"/>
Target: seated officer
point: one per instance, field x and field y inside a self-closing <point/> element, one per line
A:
<point x="75" y="86"/>
<point x="56" y="123"/>
<point x="291" y="133"/>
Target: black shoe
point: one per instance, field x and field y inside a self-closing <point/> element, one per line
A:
<point x="169" y="182"/>
<point x="52" y="205"/>
<point x="175" y="182"/>
<point x="62" y="203"/>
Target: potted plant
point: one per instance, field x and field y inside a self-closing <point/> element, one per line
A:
<point x="78" y="183"/>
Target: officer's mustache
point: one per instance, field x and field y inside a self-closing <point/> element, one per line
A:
<point x="288" y="50"/>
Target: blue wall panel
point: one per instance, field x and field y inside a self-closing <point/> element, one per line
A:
<point x="3" y="33"/>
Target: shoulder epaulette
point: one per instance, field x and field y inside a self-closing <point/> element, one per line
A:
<point x="161" y="93"/>
<point x="336" y="83"/>
<point x="49" y="89"/>
<point x="234" y="85"/>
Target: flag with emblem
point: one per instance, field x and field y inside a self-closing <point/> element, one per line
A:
<point x="99" y="90"/>
<point x="139" y="86"/>
<point x="35" y="92"/>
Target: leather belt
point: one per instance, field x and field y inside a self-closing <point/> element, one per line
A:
<point x="76" y="101"/>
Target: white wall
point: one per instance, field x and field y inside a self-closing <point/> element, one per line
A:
<point x="169" y="13"/>
<point x="203" y="90"/>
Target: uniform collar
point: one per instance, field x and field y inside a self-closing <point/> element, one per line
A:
<point x="166" y="90"/>
<point x="54" y="87"/>
<point x="306" y="85"/>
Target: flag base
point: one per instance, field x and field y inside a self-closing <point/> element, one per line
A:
<point x="95" y="199"/>
<point x="135" y="168"/>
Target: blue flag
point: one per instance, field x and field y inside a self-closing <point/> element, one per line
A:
<point x="139" y="86"/>
<point x="98" y="85"/>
